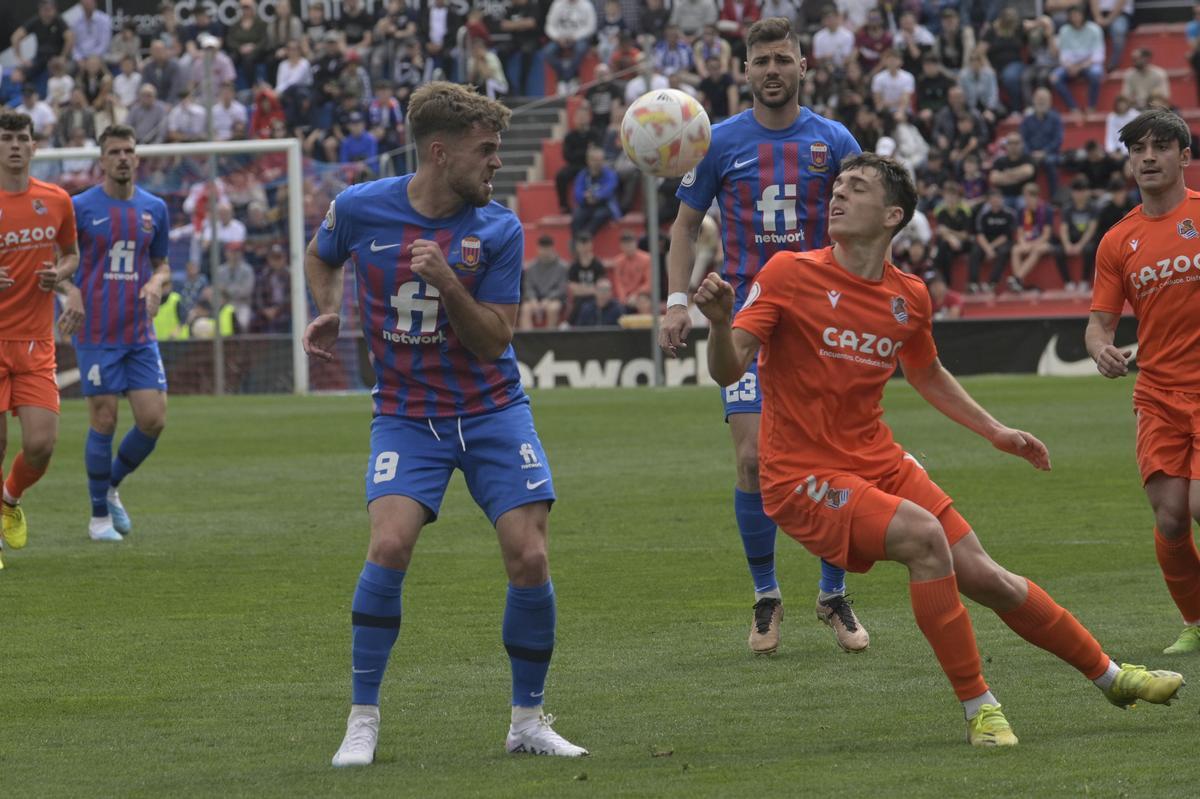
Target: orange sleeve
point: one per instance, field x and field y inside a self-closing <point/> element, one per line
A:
<point x="67" y="233"/>
<point x="920" y="349"/>
<point x="768" y="295"/>
<point x="1108" y="292"/>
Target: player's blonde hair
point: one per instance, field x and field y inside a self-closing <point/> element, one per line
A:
<point x="451" y="109"/>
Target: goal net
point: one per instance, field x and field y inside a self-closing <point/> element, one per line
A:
<point x="238" y="308"/>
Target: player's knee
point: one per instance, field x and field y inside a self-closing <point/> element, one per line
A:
<point x="153" y="426"/>
<point x="747" y="467"/>
<point x="530" y="568"/>
<point x="391" y="551"/>
<point x="921" y="543"/>
<point x="1173" y="521"/>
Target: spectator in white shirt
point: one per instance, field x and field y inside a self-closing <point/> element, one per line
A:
<point x="295" y="70"/>
<point x="570" y="26"/>
<point x="648" y="79"/>
<point x="127" y="83"/>
<point x="1122" y="114"/>
<point x="93" y="32"/>
<point x="892" y="87"/>
<point x="1081" y="54"/>
<point x="43" y="116"/>
<point x="187" y="120"/>
<point x="228" y="114"/>
<point x="833" y="45"/>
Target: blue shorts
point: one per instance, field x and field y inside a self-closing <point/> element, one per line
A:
<point x="744" y="396"/>
<point x="116" y="370"/>
<point x="499" y="453"/>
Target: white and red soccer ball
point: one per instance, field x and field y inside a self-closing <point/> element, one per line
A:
<point x="666" y="133"/>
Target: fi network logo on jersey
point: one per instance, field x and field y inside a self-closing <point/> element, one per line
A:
<point x="778" y="199"/>
<point x="529" y="455"/>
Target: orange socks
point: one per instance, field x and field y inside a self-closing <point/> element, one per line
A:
<point x="1044" y="623"/>
<point x="22" y="476"/>
<point x="944" y="621"/>
<point x="1180" y="564"/>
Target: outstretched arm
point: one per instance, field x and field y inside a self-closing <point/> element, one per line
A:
<point x="1110" y="361"/>
<point x="942" y="391"/>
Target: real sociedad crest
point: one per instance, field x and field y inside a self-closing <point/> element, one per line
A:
<point x="818" y="156"/>
<point x="1187" y="229"/>
<point x="900" y="310"/>
<point x="472" y="249"/>
<point x="39" y="207"/>
<point x="837" y="497"/>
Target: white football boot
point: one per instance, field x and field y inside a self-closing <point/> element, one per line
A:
<point x="362" y="734"/>
<point x="537" y="737"/>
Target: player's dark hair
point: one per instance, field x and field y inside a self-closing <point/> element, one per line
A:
<point x="15" y="121"/>
<point x="452" y="109"/>
<point x="898" y="186"/>
<point x="116" y="132"/>
<point x="1160" y="125"/>
<point x="770" y="30"/>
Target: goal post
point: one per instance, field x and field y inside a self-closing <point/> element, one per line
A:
<point x="295" y="218"/>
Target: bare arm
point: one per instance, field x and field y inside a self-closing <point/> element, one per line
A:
<point x="1101" y="330"/>
<point x="729" y="351"/>
<point x="942" y="391"/>
<point x="676" y="324"/>
<point x="325" y="285"/>
<point x="484" y="328"/>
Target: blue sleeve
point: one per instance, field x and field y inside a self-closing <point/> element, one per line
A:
<point x="699" y="187"/>
<point x="849" y="146"/>
<point x="501" y="281"/>
<point x="333" y="236"/>
<point x="608" y="184"/>
<point x="78" y="202"/>
<point x="160" y="244"/>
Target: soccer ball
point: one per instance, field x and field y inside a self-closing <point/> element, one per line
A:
<point x="665" y="133"/>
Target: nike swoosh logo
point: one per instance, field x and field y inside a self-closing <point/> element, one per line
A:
<point x="740" y="164"/>
<point x="362" y="671"/>
<point x="99" y="221"/>
<point x="1053" y="366"/>
<point x="532" y="485"/>
<point x="536" y="694"/>
<point x="381" y="247"/>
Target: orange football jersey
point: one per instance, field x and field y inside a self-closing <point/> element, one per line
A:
<point x="1153" y="262"/>
<point x="830" y="342"/>
<point x="32" y="223"/>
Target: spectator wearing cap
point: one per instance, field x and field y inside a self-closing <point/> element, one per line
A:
<point x="947" y="303"/>
<point x="1115" y="17"/>
<point x="359" y="146"/>
<point x="954" y="42"/>
<point x="273" y="294"/>
<point x="246" y="42"/>
<point x="53" y="37"/>
<point x="595" y="195"/>
<point x="163" y="73"/>
<point x="93" y="32"/>
<point x="354" y="78"/>
<point x="690" y="16"/>
<point x="234" y="282"/>
<point x="1077" y="235"/>
<point x="629" y="270"/>
<point x="223" y="70"/>
<point x="570" y="26"/>
<point x="1042" y="136"/>
<point x="995" y="230"/>
<point x="1144" y="80"/>
<point x="1081" y="55"/>
<point x="833" y="44"/>
<point x="543" y="287"/>
<point x="148" y="116"/>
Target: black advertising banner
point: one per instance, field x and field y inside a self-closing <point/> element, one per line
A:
<point x="613" y="358"/>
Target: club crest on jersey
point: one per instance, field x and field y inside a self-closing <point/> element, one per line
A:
<point x="900" y="310"/>
<point x="471" y="249"/>
<point x="147" y="222"/>
<point x="40" y="207"/>
<point x="331" y="216"/>
<point x="1187" y="229"/>
<point x="818" y="156"/>
<point x="690" y="178"/>
<point x="836" y="498"/>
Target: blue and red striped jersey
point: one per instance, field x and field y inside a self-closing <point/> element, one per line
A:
<point x="422" y="369"/>
<point x="772" y="187"/>
<point x="118" y="240"/>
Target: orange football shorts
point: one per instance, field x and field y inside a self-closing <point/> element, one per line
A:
<point x="1168" y="432"/>
<point x="27" y="375"/>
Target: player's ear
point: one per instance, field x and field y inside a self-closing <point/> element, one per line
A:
<point x="1185" y="156"/>
<point x="893" y="216"/>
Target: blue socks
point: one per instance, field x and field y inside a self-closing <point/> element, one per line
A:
<point x="375" y="620"/>
<point x="833" y="579"/>
<point x="135" y="448"/>
<point x="528" y="634"/>
<point x="758" y="539"/>
<point x="97" y="459"/>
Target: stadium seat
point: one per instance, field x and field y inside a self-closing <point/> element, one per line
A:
<point x="537" y="200"/>
<point x="552" y="158"/>
<point x="586" y="70"/>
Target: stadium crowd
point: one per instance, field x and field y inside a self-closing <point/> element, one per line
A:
<point x="960" y="91"/>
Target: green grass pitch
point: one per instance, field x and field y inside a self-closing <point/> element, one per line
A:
<point x="208" y="654"/>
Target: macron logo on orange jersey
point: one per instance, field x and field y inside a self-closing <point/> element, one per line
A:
<point x="1133" y="243"/>
<point x="834" y="296"/>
